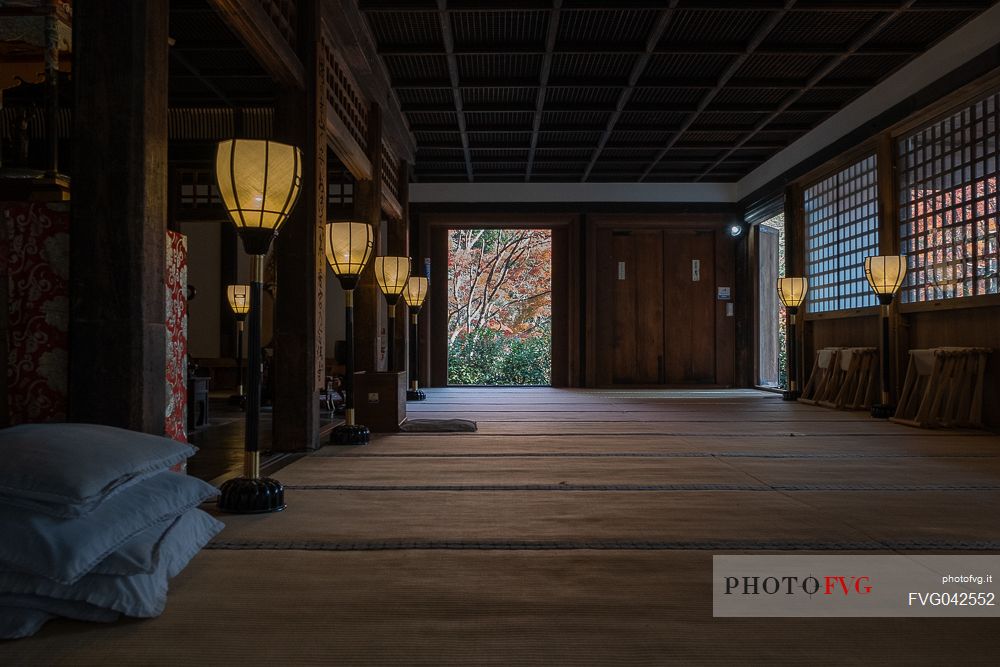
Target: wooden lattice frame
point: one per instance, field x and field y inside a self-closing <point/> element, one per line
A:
<point x="948" y="174"/>
<point x="841" y="228"/>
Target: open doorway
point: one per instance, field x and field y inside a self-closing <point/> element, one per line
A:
<point x="500" y="307"/>
<point x="771" y="336"/>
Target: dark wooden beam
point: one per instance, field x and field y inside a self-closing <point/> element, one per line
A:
<point x="249" y="22"/>
<point x="758" y="38"/>
<point x="688" y="5"/>
<point x="873" y="29"/>
<point x="299" y="322"/>
<point x="449" y="45"/>
<point x="664" y="82"/>
<point x="627" y="49"/>
<point x="398" y="242"/>
<point x="652" y="39"/>
<point x="543" y="81"/>
<point x="368" y="302"/>
<point x="354" y="42"/>
<point x="118" y="349"/>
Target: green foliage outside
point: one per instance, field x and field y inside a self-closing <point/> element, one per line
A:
<point x="488" y="357"/>
<point x="500" y="307"/>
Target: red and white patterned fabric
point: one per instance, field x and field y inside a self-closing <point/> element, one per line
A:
<point x="176" y="321"/>
<point x="34" y="262"/>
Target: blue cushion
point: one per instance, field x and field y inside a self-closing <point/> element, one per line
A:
<point x="139" y="595"/>
<point x="140" y="555"/>
<point x="80" y="611"/>
<point x="16" y="622"/>
<point x="66" y="549"/>
<point x="69" y="469"/>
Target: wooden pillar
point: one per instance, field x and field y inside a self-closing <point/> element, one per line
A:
<point x="300" y="321"/>
<point x="398" y="243"/>
<point x="888" y="244"/>
<point x="368" y="301"/>
<point x="119" y="215"/>
<point x="229" y="251"/>
<point x="795" y="265"/>
<point x="745" y="295"/>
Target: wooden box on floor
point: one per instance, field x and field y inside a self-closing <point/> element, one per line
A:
<point x="380" y="400"/>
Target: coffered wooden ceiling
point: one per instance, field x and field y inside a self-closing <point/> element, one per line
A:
<point x="679" y="90"/>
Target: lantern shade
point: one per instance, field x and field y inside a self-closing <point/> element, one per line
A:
<point x="259" y="182"/>
<point x="348" y="247"/>
<point x="392" y="273"/>
<point x="885" y="274"/>
<point x="238" y="297"/>
<point x="792" y="291"/>
<point x="415" y="292"/>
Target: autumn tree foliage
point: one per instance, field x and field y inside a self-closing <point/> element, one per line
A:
<point x="499" y="306"/>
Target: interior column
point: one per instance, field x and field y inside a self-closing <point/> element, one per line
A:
<point x="117" y="372"/>
<point x="368" y="301"/>
<point x="300" y="321"/>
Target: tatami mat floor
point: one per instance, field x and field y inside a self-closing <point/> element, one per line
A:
<point x="576" y="527"/>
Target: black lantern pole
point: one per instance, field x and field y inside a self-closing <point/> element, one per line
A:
<point x="414" y="295"/>
<point x="391" y="274"/>
<point x="792" y="292"/>
<point x="259" y="182"/>
<point x="348" y="247"/>
<point x="885" y="275"/>
<point x="239" y="301"/>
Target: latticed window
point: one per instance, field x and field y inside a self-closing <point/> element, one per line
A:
<point x="841" y="216"/>
<point x="197" y="188"/>
<point x="948" y="175"/>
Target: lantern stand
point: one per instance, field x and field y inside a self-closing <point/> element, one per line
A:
<point x="792" y="292"/>
<point x="259" y="182"/>
<point x="348" y="248"/>
<point x="885" y="275"/>
<point x="414" y="295"/>
<point x="238" y="297"/>
<point x="391" y="274"/>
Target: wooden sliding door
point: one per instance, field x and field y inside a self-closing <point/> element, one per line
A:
<point x="656" y="307"/>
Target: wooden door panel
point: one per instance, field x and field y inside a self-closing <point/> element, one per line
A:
<point x="690" y="306"/>
<point x="623" y="306"/>
<point x="637" y="307"/>
<point x="647" y="329"/>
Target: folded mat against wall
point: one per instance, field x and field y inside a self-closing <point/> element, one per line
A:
<point x="438" y="426"/>
<point x="95" y="539"/>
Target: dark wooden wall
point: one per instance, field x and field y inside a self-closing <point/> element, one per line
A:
<point x="969" y="321"/>
<point x="578" y="353"/>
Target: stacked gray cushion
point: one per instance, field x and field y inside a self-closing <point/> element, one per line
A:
<point x="94" y="523"/>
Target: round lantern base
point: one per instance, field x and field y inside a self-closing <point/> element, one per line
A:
<point x="245" y="495"/>
<point x="350" y="434"/>
<point x="416" y="395"/>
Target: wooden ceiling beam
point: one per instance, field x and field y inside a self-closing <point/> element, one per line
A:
<point x="873" y="29"/>
<point x="681" y="49"/>
<point x="448" y="39"/>
<point x="638" y="68"/>
<point x="672" y="82"/>
<point x="375" y="6"/>
<point x="758" y="38"/>
<point x="543" y="80"/>
<point x="251" y="24"/>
